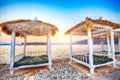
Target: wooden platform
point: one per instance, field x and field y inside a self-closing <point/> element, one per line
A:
<point x="28" y="60"/>
<point x="97" y="59"/>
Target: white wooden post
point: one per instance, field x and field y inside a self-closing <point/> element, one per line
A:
<point x="112" y="46"/>
<point x="119" y="45"/>
<point x="24" y="50"/>
<point x="70" y="48"/>
<point x="49" y="49"/>
<point x="12" y="54"/>
<point x="90" y="49"/>
<point x="108" y="46"/>
<point x="102" y="43"/>
<point x="0" y="31"/>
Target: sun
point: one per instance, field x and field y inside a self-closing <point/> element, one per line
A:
<point x="64" y="40"/>
<point x="61" y="38"/>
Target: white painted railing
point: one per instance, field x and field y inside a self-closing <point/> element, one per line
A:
<point x="36" y="53"/>
<point x="101" y="52"/>
<point x="82" y="56"/>
<point x="18" y="57"/>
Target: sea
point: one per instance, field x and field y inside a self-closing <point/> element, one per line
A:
<point x="58" y="51"/>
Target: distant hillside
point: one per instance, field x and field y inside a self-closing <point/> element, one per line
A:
<point x="35" y="43"/>
<point x="7" y="44"/>
<point x="81" y="42"/>
<point x="86" y="42"/>
<point x="94" y="41"/>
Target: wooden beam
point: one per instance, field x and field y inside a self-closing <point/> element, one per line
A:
<point x="12" y="54"/>
<point x="98" y="35"/>
<point x="102" y="33"/>
<point x="24" y="50"/>
<point x="103" y="26"/>
<point x="116" y="30"/>
<point x="79" y="28"/>
<point x="90" y="49"/>
<point x="108" y="46"/>
<point x="112" y="46"/>
<point x="49" y="49"/>
<point x="0" y="30"/>
<point x="102" y="44"/>
<point x="79" y="33"/>
<point x="97" y="31"/>
<point x="70" y="48"/>
<point x="119" y="45"/>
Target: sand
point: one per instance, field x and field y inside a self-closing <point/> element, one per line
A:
<point x="29" y="73"/>
<point x="58" y="53"/>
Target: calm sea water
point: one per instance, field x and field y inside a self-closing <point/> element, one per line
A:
<point x="57" y="51"/>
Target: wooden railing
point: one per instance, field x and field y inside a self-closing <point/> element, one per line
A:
<point x="36" y="53"/>
<point x="18" y="57"/>
<point x="82" y="56"/>
<point x="101" y="53"/>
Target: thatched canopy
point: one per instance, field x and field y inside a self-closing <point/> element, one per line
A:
<point x="99" y="30"/>
<point x="29" y="27"/>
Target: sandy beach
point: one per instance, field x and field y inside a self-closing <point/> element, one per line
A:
<point x="60" y="60"/>
<point x="59" y="40"/>
<point x="61" y="68"/>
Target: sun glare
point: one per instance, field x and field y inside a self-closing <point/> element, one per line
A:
<point x="64" y="40"/>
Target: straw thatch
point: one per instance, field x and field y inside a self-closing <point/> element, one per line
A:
<point x="97" y="31"/>
<point x="97" y="21"/>
<point x="29" y="27"/>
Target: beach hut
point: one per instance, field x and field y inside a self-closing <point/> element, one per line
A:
<point x="97" y="29"/>
<point x="22" y="28"/>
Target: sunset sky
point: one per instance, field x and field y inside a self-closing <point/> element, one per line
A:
<point x="62" y="13"/>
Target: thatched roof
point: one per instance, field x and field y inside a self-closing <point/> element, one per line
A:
<point x="80" y="28"/>
<point x="29" y="27"/>
<point x="97" y="21"/>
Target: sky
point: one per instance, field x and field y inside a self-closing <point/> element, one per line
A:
<point x="62" y="13"/>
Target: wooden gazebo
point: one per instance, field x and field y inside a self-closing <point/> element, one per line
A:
<point x="22" y="28"/>
<point x="98" y="29"/>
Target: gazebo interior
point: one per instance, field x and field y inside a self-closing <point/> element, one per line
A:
<point x="24" y="28"/>
<point x="98" y="29"/>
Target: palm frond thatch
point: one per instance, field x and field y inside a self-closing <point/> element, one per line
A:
<point x="29" y="27"/>
<point x="97" y="21"/>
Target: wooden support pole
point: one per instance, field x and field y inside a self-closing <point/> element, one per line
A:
<point x="90" y="49"/>
<point x="108" y="46"/>
<point x="112" y="46"/>
<point x="12" y="54"/>
<point x="49" y="49"/>
<point x="70" y="48"/>
<point x="102" y="43"/>
<point x="0" y="31"/>
<point x="24" y="50"/>
<point x="119" y="45"/>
